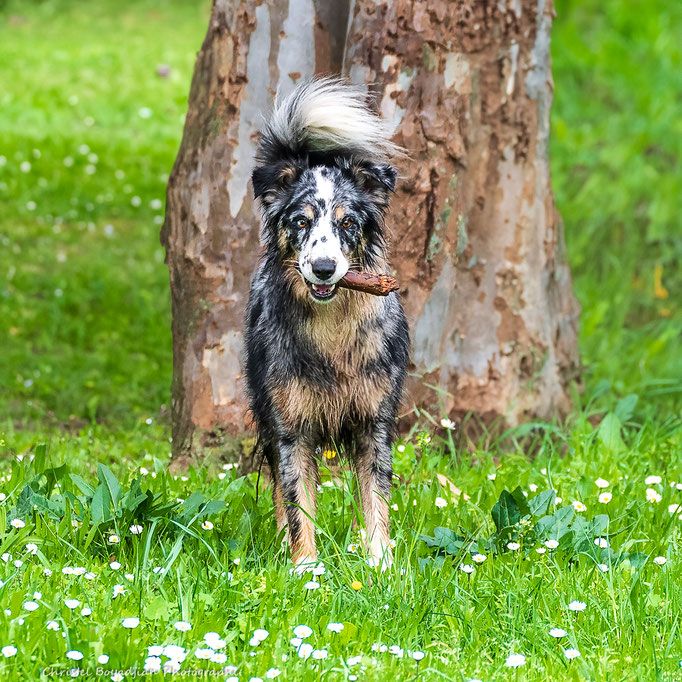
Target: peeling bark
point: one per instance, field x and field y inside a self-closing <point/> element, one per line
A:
<point x="251" y="50"/>
<point x="478" y="245"/>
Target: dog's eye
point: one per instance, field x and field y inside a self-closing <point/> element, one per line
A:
<point x="302" y="222"/>
<point x="346" y="222"/>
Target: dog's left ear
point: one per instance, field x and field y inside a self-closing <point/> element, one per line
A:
<point x="379" y="175"/>
<point x="376" y="176"/>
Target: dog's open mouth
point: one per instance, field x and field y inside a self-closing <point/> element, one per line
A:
<point x="321" y="292"/>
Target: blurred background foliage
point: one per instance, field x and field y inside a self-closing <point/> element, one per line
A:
<point x="91" y="117"/>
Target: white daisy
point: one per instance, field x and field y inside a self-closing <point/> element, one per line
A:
<point x="130" y="623"/>
<point x="653" y="495"/>
<point x="601" y="483"/>
<point x="302" y="631"/>
<point x="605" y="498"/>
<point x="660" y="560"/>
<point x="305" y="650"/>
<point x="182" y="626"/>
<point x="513" y="546"/>
<point x="335" y="627"/>
<point x="557" y="632"/>
<point x="152" y="665"/>
<point x="479" y="558"/>
<point x="576" y="605"/>
<point x="652" y="480"/>
<point x="260" y="634"/>
<point x="551" y="544"/>
<point x="578" y="506"/>
<point x="571" y="653"/>
<point x="515" y="660"/>
<point x="440" y="503"/>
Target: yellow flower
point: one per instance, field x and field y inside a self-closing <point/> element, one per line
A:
<point x="329" y="454"/>
<point x="659" y="290"/>
<point x="356" y="585"/>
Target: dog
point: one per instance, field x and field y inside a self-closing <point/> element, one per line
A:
<point x="324" y="364"/>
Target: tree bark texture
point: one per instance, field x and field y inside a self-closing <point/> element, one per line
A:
<point x="478" y="244"/>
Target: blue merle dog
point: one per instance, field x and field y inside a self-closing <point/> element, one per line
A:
<point x="324" y="364"/>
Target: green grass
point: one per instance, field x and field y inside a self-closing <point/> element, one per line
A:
<point x="86" y="368"/>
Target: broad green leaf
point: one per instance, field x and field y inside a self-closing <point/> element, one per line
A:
<point x="80" y="483"/>
<point x="521" y="501"/>
<point x="106" y="476"/>
<point x="609" y="433"/>
<point x="100" y="505"/>
<point x="506" y="511"/>
<point x="626" y="407"/>
<point x="539" y="505"/>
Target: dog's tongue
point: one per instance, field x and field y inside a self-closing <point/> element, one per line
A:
<point x="322" y="289"/>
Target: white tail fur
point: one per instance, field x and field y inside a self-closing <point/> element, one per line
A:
<point x="325" y="115"/>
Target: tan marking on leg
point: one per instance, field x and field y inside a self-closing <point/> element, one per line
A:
<point x="375" y="512"/>
<point x="302" y="514"/>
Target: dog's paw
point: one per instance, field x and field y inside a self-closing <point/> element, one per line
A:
<point x="304" y="565"/>
<point x="381" y="556"/>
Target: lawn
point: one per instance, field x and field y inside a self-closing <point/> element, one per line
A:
<point x="562" y="556"/>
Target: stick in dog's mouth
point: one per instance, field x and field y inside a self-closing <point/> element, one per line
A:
<point x="369" y="283"/>
<point x="366" y="282"/>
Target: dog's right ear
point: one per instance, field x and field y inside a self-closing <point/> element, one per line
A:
<point x="273" y="177"/>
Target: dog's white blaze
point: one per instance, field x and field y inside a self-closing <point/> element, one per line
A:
<point x="322" y="242"/>
<point x="325" y="188"/>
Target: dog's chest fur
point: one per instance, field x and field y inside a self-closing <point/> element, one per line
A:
<point x="348" y="337"/>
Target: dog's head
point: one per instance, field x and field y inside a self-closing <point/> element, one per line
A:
<point x="323" y="219"/>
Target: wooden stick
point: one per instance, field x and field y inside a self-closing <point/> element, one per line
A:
<point x="369" y="283"/>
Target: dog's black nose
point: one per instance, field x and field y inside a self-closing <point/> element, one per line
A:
<point x="324" y="268"/>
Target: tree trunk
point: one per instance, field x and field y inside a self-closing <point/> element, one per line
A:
<point x="251" y="50"/>
<point x="478" y="245"/>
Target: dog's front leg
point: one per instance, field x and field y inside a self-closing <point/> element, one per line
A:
<point x="373" y="462"/>
<point x="298" y="474"/>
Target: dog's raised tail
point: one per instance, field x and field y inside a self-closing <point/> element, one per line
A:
<point x="325" y="115"/>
